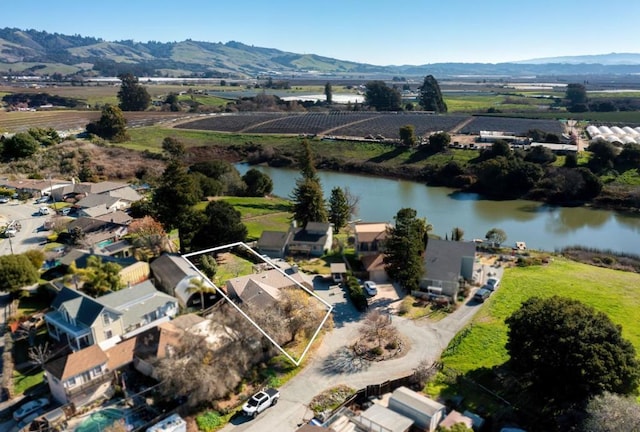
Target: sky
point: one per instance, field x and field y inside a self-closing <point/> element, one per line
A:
<point x="379" y="32"/>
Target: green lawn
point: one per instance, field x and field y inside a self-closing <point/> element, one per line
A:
<point x="482" y="343"/>
<point x="23" y="383"/>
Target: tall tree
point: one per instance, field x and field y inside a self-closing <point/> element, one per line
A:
<point x="307" y="197"/>
<point x="16" y="271"/>
<point x="223" y="225"/>
<point x="132" y="95"/>
<point x="430" y="95"/>
<point x="404" y="249"/>
<point x="439" y="141"/>
<point x="176" y="192"/>
<point x="19" y="146"/>
<point x="328" y="93"/>
<point x="457" y="234"/>
<point x="258" y="183"/>
<point x="382" y="97"/>
<point x="308" y="202"/>
<point x="569" y="351"/>
<point x="111" y="126"/>
<point x="576" y="97"/>
<point x="338" y="209"/>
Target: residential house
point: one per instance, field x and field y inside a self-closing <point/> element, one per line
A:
<point x="315" y="239"/>
<point x="35" y="187"/>
<point x="81" y="321"/>
<point x="370" y="237"/>
<point x="121" y="191"/>
<point x="378" y="417"/>
<point x="375" y="268"/>
<point x="86" y="375"/>
<point x="274" y="243"/>
<point x="425" y="413"/>
<point x="263" y="289"/>
<point x="132" y="271"/>
<point x="97" y="231"/>
<point x="173" y="274"/>
<point x="97" y="205"/>
<point x="447" y="264"/>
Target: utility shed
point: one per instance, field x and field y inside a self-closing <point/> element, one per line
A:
<point x="377" y="415"/>
<point x="426" y="413"/>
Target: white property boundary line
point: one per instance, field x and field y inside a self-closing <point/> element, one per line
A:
<point x="268" y="261"/>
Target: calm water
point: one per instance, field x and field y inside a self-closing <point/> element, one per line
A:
<point x="540" y="225"/>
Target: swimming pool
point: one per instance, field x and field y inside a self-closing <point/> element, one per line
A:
<point x="97" y="421"/>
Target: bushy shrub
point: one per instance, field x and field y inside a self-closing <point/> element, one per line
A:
<point x="209" y="421"/>
<point x="356" y="293"/>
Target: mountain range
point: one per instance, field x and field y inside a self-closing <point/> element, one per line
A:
<point x="33" y="52"/>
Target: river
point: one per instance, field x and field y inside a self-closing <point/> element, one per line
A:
<point x="540" y="226"/>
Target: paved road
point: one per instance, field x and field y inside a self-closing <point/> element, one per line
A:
<point x="330" y="366"/>
<point x="29" y="237"/>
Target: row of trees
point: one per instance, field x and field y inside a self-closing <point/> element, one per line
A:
<point x="381" y="97"/>
<point x="25" y="144"/>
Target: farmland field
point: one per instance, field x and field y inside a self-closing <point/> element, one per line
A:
<point x="354" y="124"/>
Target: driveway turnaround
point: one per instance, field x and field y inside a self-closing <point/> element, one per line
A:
<point x="329" y="366"/>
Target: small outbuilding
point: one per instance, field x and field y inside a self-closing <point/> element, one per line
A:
<point x="425" y="413"/>
<point x="338" y="272"/>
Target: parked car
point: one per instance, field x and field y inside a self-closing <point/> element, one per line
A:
<point x="43" y="199"/>
<point x="260" y="402"/>
<point x="4" y="199"/>
<point x="65" y="211"/>
<point x="481" y="295"/>
<point x="493" y="282"/>
<point x="371" y="288"/>
<point x="30" y="408"/>
<point x="43" y="210"/>
<point x="23" y="425"/>
<point x="35" y="321"/>
<point x="10" y="232"/>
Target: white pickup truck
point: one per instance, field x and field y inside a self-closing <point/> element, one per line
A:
<point x="260" y="402"/>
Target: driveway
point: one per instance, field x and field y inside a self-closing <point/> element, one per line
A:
<point x="330" y="366"/>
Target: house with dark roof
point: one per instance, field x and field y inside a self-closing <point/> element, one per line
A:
<point x="447" y="264"/>
<point x="173" y="274"/>
<point x="97" y="230"/>
<point x="132" y="271"/>
<point x="97" y="205"/>
<point x="274" y="243"/>
<point x="315" y="239"/>
<point x="82" y="321"/>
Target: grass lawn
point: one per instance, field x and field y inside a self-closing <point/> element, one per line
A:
<point x="481" y="346"/>
<point x="22" y="383"/>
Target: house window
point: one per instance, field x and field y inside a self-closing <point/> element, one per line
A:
<point x="106" y="319"/>
<point x="97" y="371"/>
<point x="71" y="382"/>
<point x="108" y="334"/>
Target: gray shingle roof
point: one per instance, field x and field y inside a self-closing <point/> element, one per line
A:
<point x="443" y="258"/>
<point x="170" y="269"/>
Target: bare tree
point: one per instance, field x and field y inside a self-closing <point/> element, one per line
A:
<point x="422" y="373"/>
<point x="610" y="412"/>
<point x="378" y="327"/>
<point x="353" y="201"/>
<point x="207" y="367"/>
<point x="39" y="354"/>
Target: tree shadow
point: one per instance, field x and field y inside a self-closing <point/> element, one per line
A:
<point x="344" y="361"/>
<point x="397" y="151"/>
<point x="420" y="154"/>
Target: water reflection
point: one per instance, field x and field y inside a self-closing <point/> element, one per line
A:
<point x="541" y="226"/>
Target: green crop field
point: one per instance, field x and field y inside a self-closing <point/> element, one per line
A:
<point x="482" y="343"/>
